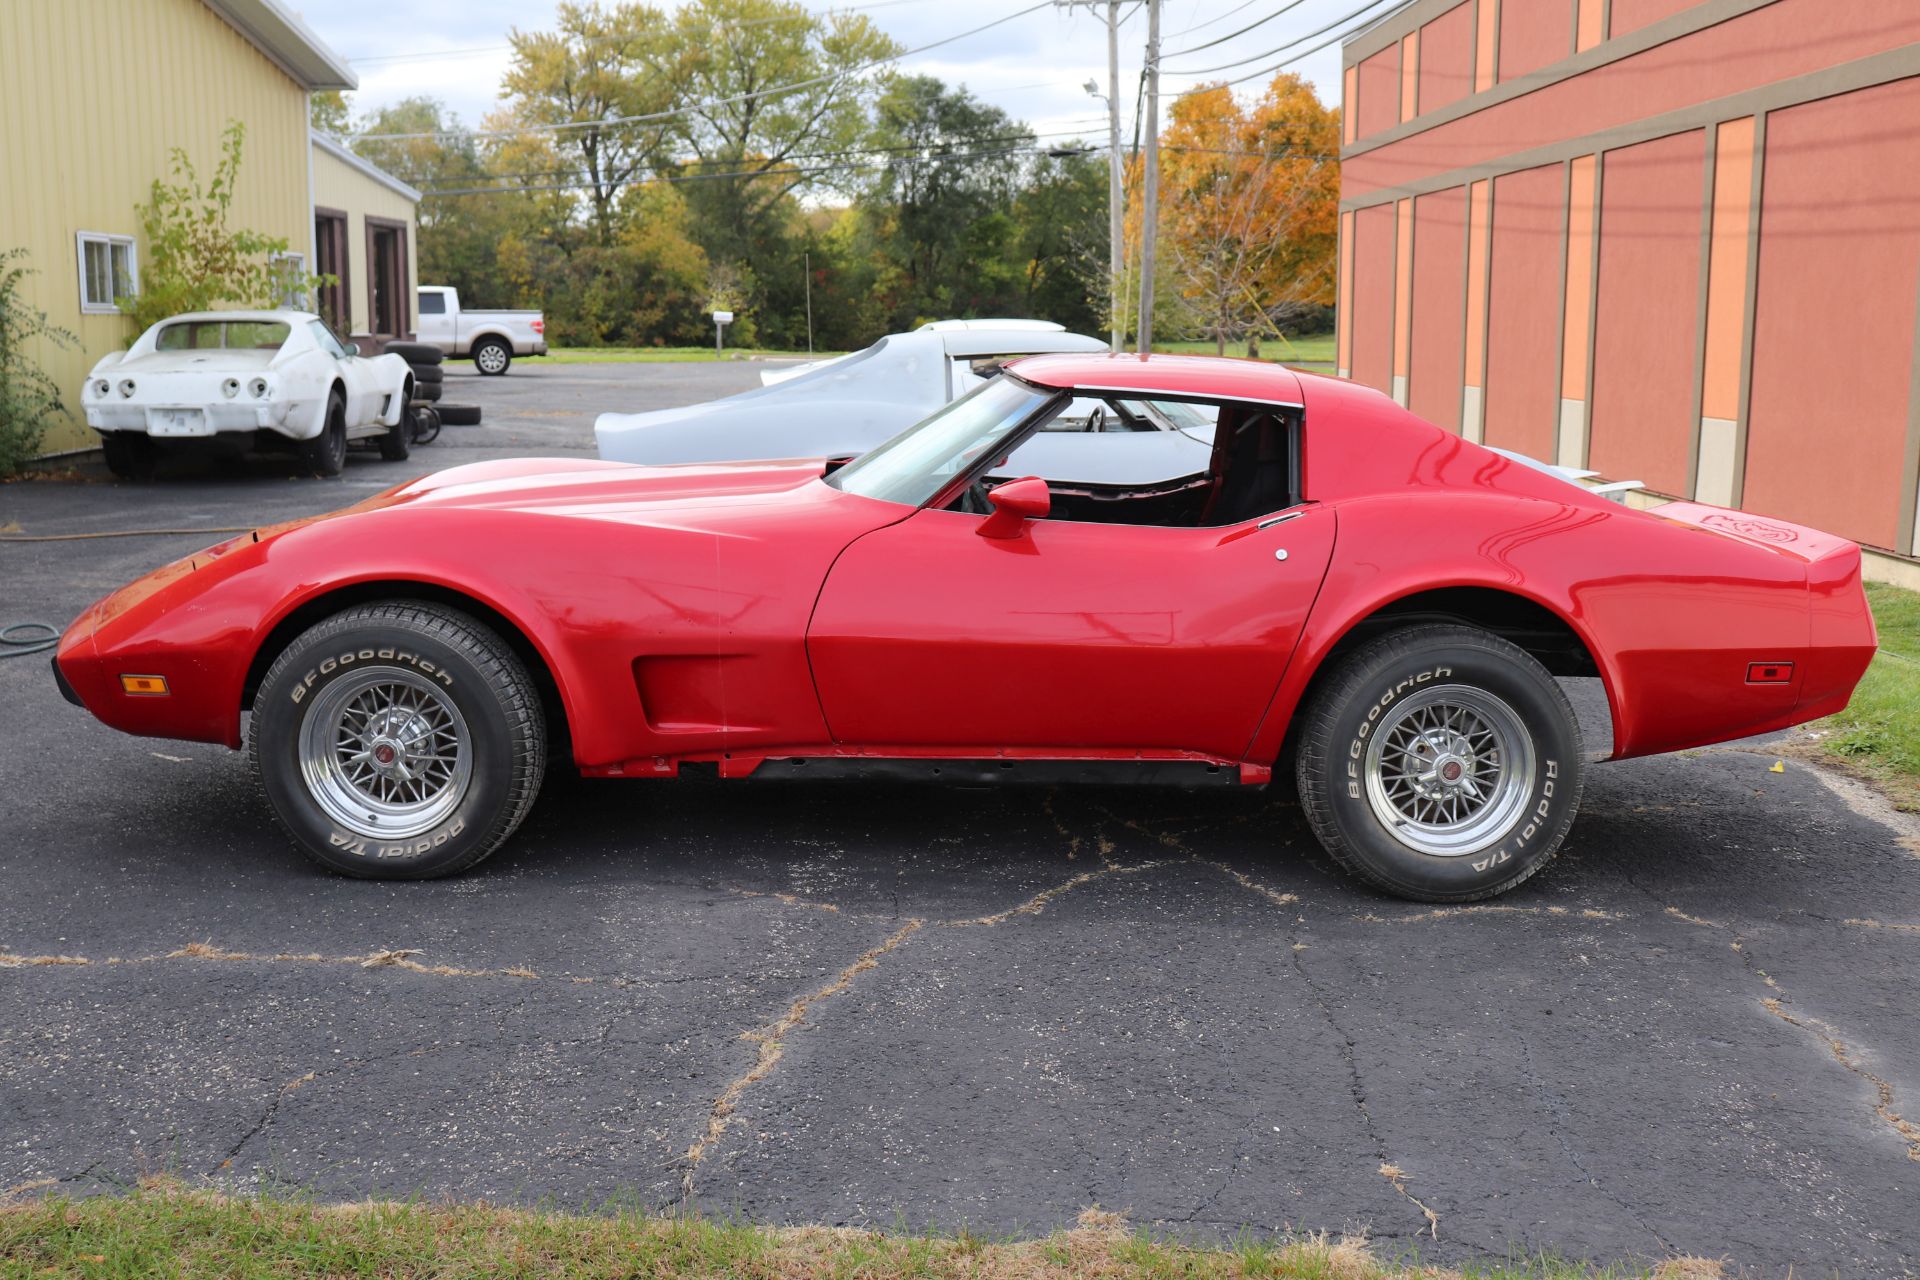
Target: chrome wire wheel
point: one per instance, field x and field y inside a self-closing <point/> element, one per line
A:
<point x="385" y="753"/>
<point x="1449" y="769"/>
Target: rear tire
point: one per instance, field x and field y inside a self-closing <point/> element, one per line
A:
<point x="398" y="741"/>
<point x="326" y="453"/>
<point x="492" y="356"/>
<point x="130" y="455"/>
<point x="1440" y="763"/>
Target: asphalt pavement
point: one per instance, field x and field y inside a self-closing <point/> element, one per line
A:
<point x="943" y="1007"/>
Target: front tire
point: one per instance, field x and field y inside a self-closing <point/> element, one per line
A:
<point x="1440" y="763"/>
<point x="492" y="356"/>
<point x="398" y="741"/>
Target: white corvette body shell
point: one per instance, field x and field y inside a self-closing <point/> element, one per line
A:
<point x="844" y="407"/>
<point x="182" y="394"/>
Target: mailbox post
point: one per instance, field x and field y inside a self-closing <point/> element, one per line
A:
<point x="721" y="319"/>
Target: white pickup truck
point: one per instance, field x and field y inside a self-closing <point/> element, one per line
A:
<point x="491" y="339"/>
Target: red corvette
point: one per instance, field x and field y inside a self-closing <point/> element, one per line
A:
<point x="1339" y="585"/>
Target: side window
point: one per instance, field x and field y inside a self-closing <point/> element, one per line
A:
<point x="433" y="304"/>
<point x="1163" y="463"/>
<point x="324" y="339"/>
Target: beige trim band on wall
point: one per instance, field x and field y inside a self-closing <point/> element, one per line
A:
<point x="1862" y="73"/>
<point x="1495" y="91"/>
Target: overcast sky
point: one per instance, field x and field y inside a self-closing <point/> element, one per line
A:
<point x="1034" y="66"/>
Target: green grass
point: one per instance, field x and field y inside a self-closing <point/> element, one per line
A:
<point x="1880" y="729"/>
<point x="1312" y="350"/>
<point x="665" y="355"/>
<point x="163" y="1230"/>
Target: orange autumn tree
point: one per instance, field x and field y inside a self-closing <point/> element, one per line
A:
<point x="1249" y="204"/>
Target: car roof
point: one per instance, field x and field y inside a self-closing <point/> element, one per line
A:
<point x="1215" y="377"/>
<point x="280" y="317"/>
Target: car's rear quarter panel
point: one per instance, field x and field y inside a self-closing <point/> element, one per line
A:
<point x="1672" y="612"/>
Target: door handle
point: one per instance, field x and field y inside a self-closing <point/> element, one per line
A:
<point x="1282" y="518"/>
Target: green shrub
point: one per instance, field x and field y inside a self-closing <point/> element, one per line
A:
<point x="28" y="394"/>
<point x="194" y="261"/>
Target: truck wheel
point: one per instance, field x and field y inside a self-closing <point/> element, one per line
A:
<point x="326" y="453"/>
<point x="1440" y="763"/>
<point x="492" y="356"/>
<point x="415" y="352"/>
<point x="130" y="455"/>
<point x="398" y="741"/>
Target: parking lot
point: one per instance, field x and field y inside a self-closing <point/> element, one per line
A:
<point x="907" y="1005"/>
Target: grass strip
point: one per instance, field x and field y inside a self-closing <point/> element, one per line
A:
<point x="163" y="1229"/>
<point x="1879" y="732"/>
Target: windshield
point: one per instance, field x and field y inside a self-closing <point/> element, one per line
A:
<point x="917" y="464"/>
<point x="221" y="335"/>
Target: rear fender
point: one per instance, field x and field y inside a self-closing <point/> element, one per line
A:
<point x="1672" y="617"/>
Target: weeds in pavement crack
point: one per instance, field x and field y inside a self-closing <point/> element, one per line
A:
<point x="1778" y="1006"/>
<point x="1397" y="1176"/>
<point x="1038" y="902"/>
<point x="1883" y="1105"/>
<point x="771" y="1039"/>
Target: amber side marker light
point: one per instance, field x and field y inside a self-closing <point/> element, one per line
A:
<point x="144" y="686"/>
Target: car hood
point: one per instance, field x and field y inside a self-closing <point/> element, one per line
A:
<point x="608" y="490"/>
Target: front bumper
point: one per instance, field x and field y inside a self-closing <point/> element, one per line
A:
<point x="66" y="690"/>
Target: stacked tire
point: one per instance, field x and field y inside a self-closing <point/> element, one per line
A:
<point x="428" y="414"/>
<point x="426" y="360"/>
<point x="421" y="422"/>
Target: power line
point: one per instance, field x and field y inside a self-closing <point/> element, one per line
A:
<point x="776" y="91"/>
<point x="1258" y="22"/>
<point x="1307" y="53"/>
<point x="1282" y="48"/>
<point x="434" y="54"/>
<point x="900" y="149"/>
<point x="677" y="179"/>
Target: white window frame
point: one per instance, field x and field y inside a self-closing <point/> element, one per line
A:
<point x="81" y="240"/>
<point x="293" y="300"/>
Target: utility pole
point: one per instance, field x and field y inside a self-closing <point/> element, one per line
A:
<point x="1116" y="230"/>
<point x="1116" y="165"/>
<point x="806" y="268"/>
<point x="1150" y="181"/>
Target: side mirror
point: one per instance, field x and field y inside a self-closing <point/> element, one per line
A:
<point x="1015" y="503"/>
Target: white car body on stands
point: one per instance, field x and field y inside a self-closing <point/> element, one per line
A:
<point x="844" y="407"/>
<point x="218" y="373"/>
<point x="1016" y="330"/>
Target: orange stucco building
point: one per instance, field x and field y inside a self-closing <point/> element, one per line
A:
<point x="1674" y="241"/>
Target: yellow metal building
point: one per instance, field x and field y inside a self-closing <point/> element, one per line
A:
<point x="96" y="94"/>
<point x="365" y="222"/>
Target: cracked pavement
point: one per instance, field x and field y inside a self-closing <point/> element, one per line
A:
<point x="879" y="1004"/>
